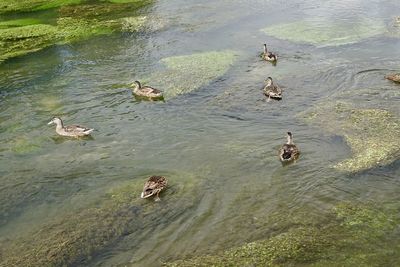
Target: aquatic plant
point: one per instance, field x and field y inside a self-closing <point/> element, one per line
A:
<point x="19" y="22"/>
<point x="372" y="134"/>
<point x="75" y="237"/>
<point x="33" y="5"/>
<point x="75" y="22"/>
<point x="326" y="32"/>
<point x="351" y="237"/>
<point x="183" y="74"/>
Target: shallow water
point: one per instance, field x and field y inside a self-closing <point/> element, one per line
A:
<point x="224" y="134"/>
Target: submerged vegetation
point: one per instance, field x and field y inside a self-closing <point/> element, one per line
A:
<point x="183" y="74"/>
<point x="339" y="241"/>
<point x="372" y="134"/>
<point x="326" y="33"/>
<point x="75" y="20"/>
<point x="75" y="238"/>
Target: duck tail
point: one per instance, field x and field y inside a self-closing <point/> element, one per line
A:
<point x="88" y="131"/>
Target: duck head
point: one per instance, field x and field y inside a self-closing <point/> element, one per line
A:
<point x="137" y="84"/>
<point x="265" y="48"/>
<point x="149" y="191"/>
<point x="268" y="81"/>
<point x="57" y="121"/>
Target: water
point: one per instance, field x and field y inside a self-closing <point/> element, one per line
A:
<point x="224" y="135"/>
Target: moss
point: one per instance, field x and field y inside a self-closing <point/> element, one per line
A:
<point x="326" y="33"/>
<point x="183" y="74"/>
<point x="76" y="237"/>
<point x="372" y="134"/>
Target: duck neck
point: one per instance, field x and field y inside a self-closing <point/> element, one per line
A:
<point x="265" y="49"/>
<point x="59" y="125"/>
<point x="289" y="140"/>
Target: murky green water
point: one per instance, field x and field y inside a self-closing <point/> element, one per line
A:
<point x="216" y="141"/>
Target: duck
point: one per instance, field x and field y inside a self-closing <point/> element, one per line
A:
<point x="289" y="151"/>
<point x="272" y="90"/>
<point x="268" y="56"/>
<point x="393" y="77"/>
<point x="146" y="91"/>
<point x="153" y="186"/>
<point x="71" y="130"/>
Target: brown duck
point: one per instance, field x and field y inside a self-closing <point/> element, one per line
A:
<point x="153" y="186"/>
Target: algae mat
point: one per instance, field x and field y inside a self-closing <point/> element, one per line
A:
<point x="74" y="238"/>
<point x="73" y="23"/>
<point x="326" y="33"/>
<point x="184" y="74"/>
<point x="372" y="134"/>
<point x="351" y="235"/>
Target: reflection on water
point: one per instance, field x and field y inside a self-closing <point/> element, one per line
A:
<point x="223" y="136"/>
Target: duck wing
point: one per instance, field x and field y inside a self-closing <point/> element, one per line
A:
<point x="149" y="90"/>
<point x="288" y="151"/>
<point x="77" y="128"/>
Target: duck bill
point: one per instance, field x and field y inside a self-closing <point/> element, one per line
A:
<point x="50" y="123"/>
<point x="146" y="195"/>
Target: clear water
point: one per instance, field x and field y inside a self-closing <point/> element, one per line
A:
<point x="224" y="134"/>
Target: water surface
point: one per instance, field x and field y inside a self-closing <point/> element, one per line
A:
<point x="224" y="134"/>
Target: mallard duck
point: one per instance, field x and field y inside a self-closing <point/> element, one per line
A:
<point x="268" y="56"/>
<point x="289" y="151"/>
<point x="393" y="77"/>
<point x="146" y="91"/>
<point x="71" y="130"/>
<point x="153" y="186"/>
<point x="272" y="90"/>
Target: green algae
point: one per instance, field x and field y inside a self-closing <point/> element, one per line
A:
<point x="351" y="235"/>
<point x="299" y="245"/>
<point x="184" y="74"/>
<point x="75" y="23"/>
<point x="23" y="40"/>
<point x="372" y="134"/>
<point x="19" y="22"/>
<point x="24" y="145"/>
<point x="33" y="5"/>
<point x="326" y="33"/>
<point x="103" y="11"/>
<point x="74" y="238"/>
<point x="75" y="29"/>
<point x="364" y="220"/>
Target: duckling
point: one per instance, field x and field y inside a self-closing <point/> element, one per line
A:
<point x="154" y="185"/>
<point x="268" y="56"/>
<point x="289" y="151"/>
<point x="146" y="91"/>
<point x="272" y="90"/>
<point x="393" y="77"/>
<point x="71" y="130"/>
